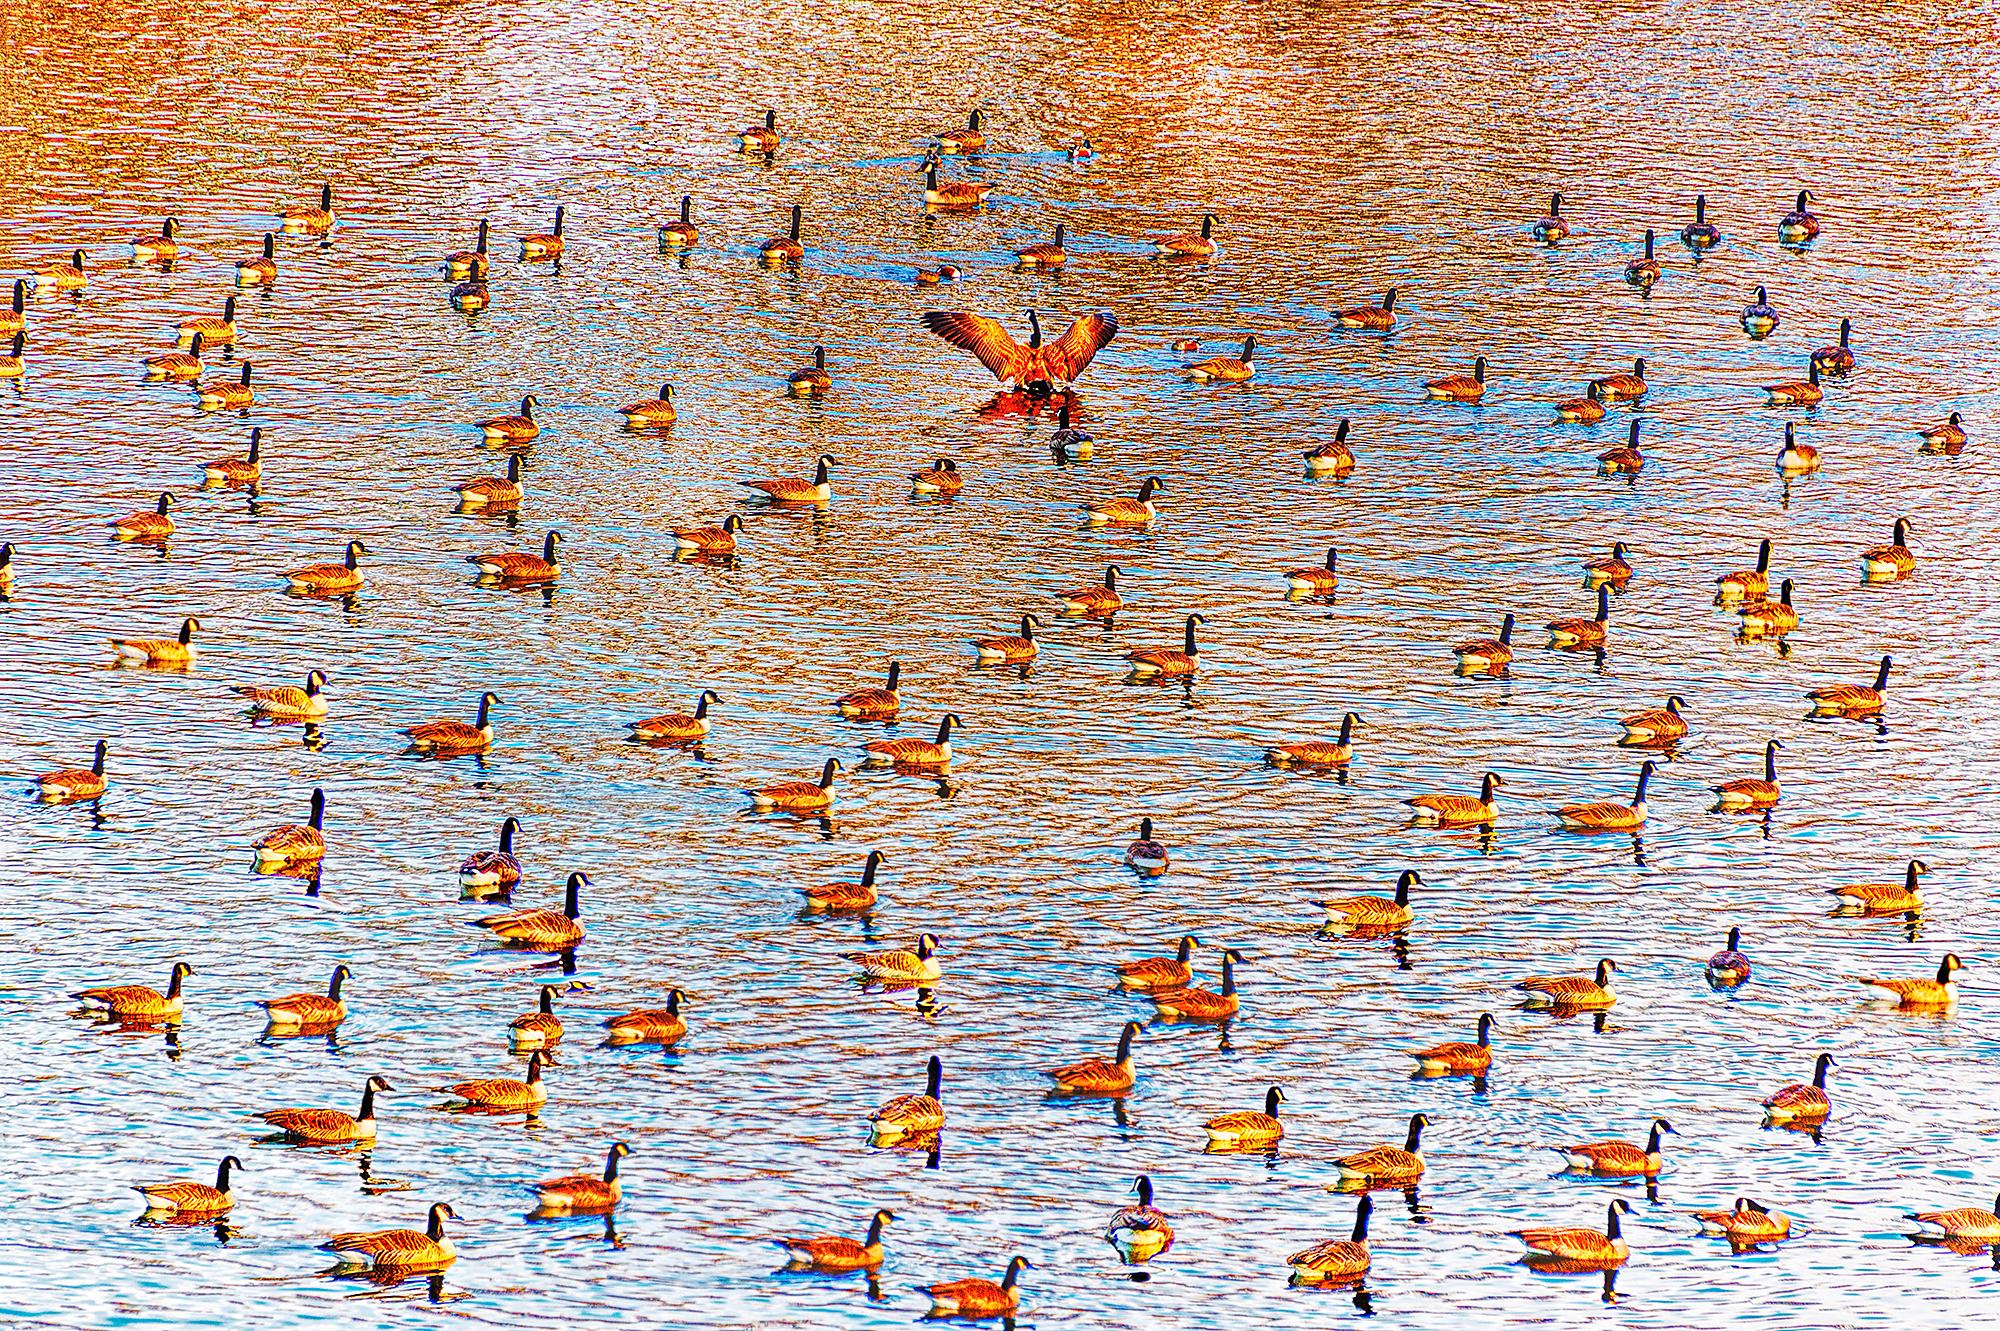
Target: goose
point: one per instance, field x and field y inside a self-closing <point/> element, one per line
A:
<point x="839" y="1254"/>
<point x="1644" y="272"/>
<point x="1700" y="234"/>
<point x="471" y="296"/>
<point x="1190" y="244"/>
<point x="1800" y="1103"/>
<point x="1457" y="810"/>
<point x="709" y="540"/>
<point x="1460" y="387"/>
<point x="1099" y="600"/>
<point x="1581" y="1245"/>
<point x="212" y="331"/>
<point x="299" y="1012"/>
<point x="1746" y="1222"/>
<point x="1037" y="367"/>
<point x="1620" y="1159"/>
<point x="305" y="218"/>
<point x="1488" y="653"/>
<point x="1365" y="912"/>
<point x="545" y="244"/>
<point x="651" y="412"/>
<point x="1771" y="619"/>
<point x="811" y="381"/>
<point x="504" y="1092"/>
<point x="1389" y="1164"/>
<point x="1573" y="633"/>
<point x="6" y="565"/>
<point x="665" y="1026"/>
<point x="1883" y="898"/>
<point x="291" y="843"/>
<point x="493" y="868"/>
<point x="1796" y="393"/>
<point x="1201" y="1004"/>
<point x="1141" y="1232"/>
<point x="1097" y="1076"/>
<point x="1147" y="854"/>
<point x="911" y="1115"/>
<point x="330" y="1127"/>
<point x="1009" y="650"/>
<point x="1317" y="752"/>
<point x="1456" y="1057"/>
<point x="1375" y="318"/>
<point x="681" y="234"/>
<point x="1729" y="967"/>
<point x="178" y="651"/>
<point x="537" y="928"/>
<point x="474" y="263"/>
<point x="1747" y="584"/>
<point x="787" y="248"/>
<point x="761" y="138"/>
<point x="182" y="1199"/>
<point x="341" y="577"/>
<point x="1759" y="316"/>
<point x="791" y="490"/>
<point x="163" y="248"/>
<point x="974" y="1297"/>
<point x="1334" y="455"/>
<point x="1571" y="991"/>
<point x="876" y="704"/>
<point x="403" y="1249"/>
<point x="1748" y="792"/>
<point x="492" y="491"/>
<point x="516" y="566"/>
<point x="178" y="367"/>
<point x="542" y="1028"/>
<point x="1839" y="357"/>
<point x="1614" y="568"/>
<point x="1623" y="387"/>
<point x="1656" y="725"/>
<point x="231" y="393"/>
<point x="1554" y="227"/>
<point x="512" y="429"/>
<point x="584" y="1194"/>
<point x="59" y="276"/>
<point x="1964" y="1222"/>
<point x="1799" y="225"/>
<point x="941" y="479"/>
<point x="1319" y="581"/>
<point x="1626" y="459"/>
<point x="913" y="752"/>
<point x="1604" y="816"/>
<point x="1941" y="992"/>
<point x="954" y="193"/>
<point x="147" y="525"/>
<point x="1160" y="972"/>
<point x="1044" y="254"/>
<point x="913" y="965"/>
<point x="797" y="796"/>
<point x="847" y="897"/>
<point x="450" y="736"/>
<point x="1153" y="662"/>
<point x="74" y="783"/>
<point x="1248" y="1127"/>
<point x="136" y="1002"/>
<point x="1852" y="699"/>
<point x="1066" y="440"/>
<point x="968" y="140"/>
<point x="1893" y="560"/>
<point x="1335" y="1259"/>
<point x="14" y="318"/>
<point x="1585" y="410"/>
<point x="1135" y="512"/>
<point x="680" y="726"/>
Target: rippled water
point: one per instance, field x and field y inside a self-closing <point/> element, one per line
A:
<point x="1346" y="149"/>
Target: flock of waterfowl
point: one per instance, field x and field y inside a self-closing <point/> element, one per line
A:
<point x="1040" y="372"/>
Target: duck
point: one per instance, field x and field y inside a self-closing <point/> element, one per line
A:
<point x="136" y="1002"/>
<point x="837" y="1253"/>
<point x="1038" y="368"/>
<point x="797" y="796"/>
<point x="791" y="490"/>
<point x="1948" y="436"/>
<point x="1317" y="752"/>
<point x="1066" y="440"/>
<point x="665" y="1026"/>
<point x="1883" y="898"/>
<point x="504" y="1092"/>
<point x="1746" y="1222"/>
<point x="1614" y="568"/>
<point x="1081" y="151"/>
<point x="651" y="413"/>
<point x="681" y="234"/>
<point x="761" y="138"/>
<point x="1460" y="387"/>
<point x="1965" y="1222"/>
<point x="474" y="263"/>
<point x="584" y="1194"/>
<point x="681" y="726"/>
<point x="545" y="244"/>
<point x="1142" y="1232"/>
<point x="542" y="1028"/>
<point x="1700" y="234"/>
<point x="1575" y="633"/>
<point x="537" y="928"/>
<point x="1583" y="1246"/>
<point x="178" y="651"/>
<point x="1248" y="1127"/>
<point x="1771" y="619"/>
<point x="1891" y="561"/>
<point x="1747" y="584"/>
<point x="1554" y="227"/>
<point x="1799" y="225"/>
<point x="1365" y="912"/>
<point x="1626" y="459"/>
<point x="1335" y="1260"/>
<point x="913" y="752"/>
<point x="59" y="276"/>
<point x="14" y="317"/>
<point x="513" y="429"/>
<point x="1749" y="792"/>
<point x="1153" y="662"/>
<point x="1623" y="387"/>
<point x="1044" y="254"/>
<point x="1643" y="272"/>
<point x="1099" y="599"/>
<point x="341" y="577"/>
<point x="1173" y="972"/>
<point x="1097" y="1076"/>
<point x="941" y="479"/>
<point x="955" y="193"/>
<point x="317" y="1012"/>
<point x="944" y="272"/>
<point x="471" y="296"/>
<point x="1458" y="810"/>
<point x="1800" y="1103"/>
<point x="975" y="1298"/>
<point x="912" y="1115"/>
<point x="1456" y="1057"/>
<point x="1147" y="854"/>
<point x="516" y="566"/>
<point x="1838" y="358"/>
<point x="1375" y="318"/>
<point x="911" y="965"/>
<point x="968" y="140"/>
<point x="212" y="331"/>
<point x="1585" y="410"/>
<point x="1190" y="244"/>
<point x="1138" y="511"/>
<point x="1201" y="1004"/>
<point x="1759" y="316"/>
<point x="291" y="843"/>
<point x="1332" y="456"/>
<point x="1620" y="1159"/>
<point x="1012" y="650"/>
<point x="1941" y="992"/>
<point x="234" y="394"/>
<point x="72" y="784"/>
<point x="182" y="1199"/>
<point x="153" y="524"/>
<point x="330" y="1127"/>
<point x="1656" y="725"/>
<point x="787" y="248"/>
<point x="178" y="367"/>
<point x="874" y="704"/>
<point x="163" y="248"/>
<point x="1319" y="581"/>
<point x="493" y="868"/>
<point x="1389" y="1164"/>
<point x="492" y="491"/>
<point x="710" y="540"/>
<point x="1572" y="992"/>
<point x="451" y="736"/>
<point x="1488" y="653"/>
<point x="403" y="1249"/>
<point x="1797" y="393"/>
<point x="304" y="218"/>
<point x="846" y="897"/>
<point x="1852" y="699"/>
<point x="1604" y="816"/>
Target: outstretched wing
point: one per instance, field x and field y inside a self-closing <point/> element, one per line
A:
<point x="984" y="338"/>
<point x="1070" y="354"/>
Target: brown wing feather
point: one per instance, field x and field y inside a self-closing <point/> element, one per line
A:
<point x="323" y="1124"/>
<point x="1069" y="355"/>
<point x="984" y="338"/>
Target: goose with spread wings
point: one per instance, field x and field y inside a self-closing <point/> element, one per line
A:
<point x="1037" y="367"/>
